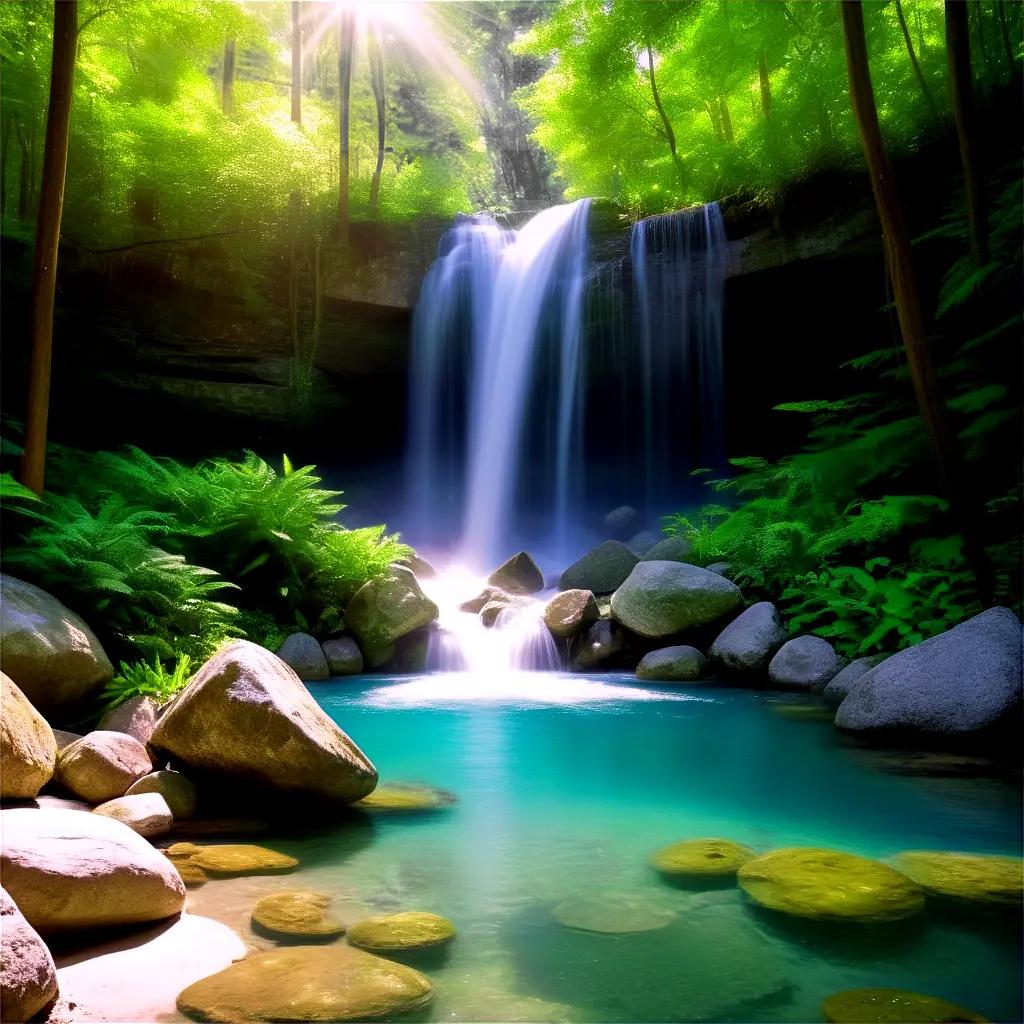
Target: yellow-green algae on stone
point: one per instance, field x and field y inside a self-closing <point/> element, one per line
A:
<point x="975" y="877"/>
<point x="892" y="1006"/>
<point x="232" y="859"/>
<point x="702" y="858"/>
<point x="392" y="933"/>
<point x="810" y="882"/>
<point x="614" y="913"/>
<point x="400" y="796"/>
<point x="298" y="913"/>
<point x="307" y="983"/>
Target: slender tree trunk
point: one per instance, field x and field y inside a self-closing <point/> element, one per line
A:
<point x="714" y="117"/>
<point x="346" y="54"/>
<point x="961" y="86"/>
<point x="293" y="286"/>
<point x="227" y="81"/>
<point x="974" y="15"/>
<point x="915" y="63"/>
<point x="44" y="267"/>
<point x="899" y="260"/>
<point x="24" y="174"/>
<point x="766" y="87"/>
<point x="296" y="62"/>
<point x="726" y="120"/>
<point x="1004" y="35"/>
<point x="670" y="135"/>
<point x="5" y="148"/>
<point x="377" y="81"/>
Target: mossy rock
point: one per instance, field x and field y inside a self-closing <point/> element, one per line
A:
<point x="191" y="874"/>
<point x="702" y="858"/>
<point x="973" y="877"/>
<point x="301" y="913"/>
<point x="406" y="932"/>
<point x="238" y="859"/>
<point x="307" y="983"/>
<point x="614" y="913"/>
<point x="830" y="885"/>
<point x="399" y="797"/>
<point x="893" y="1006"/>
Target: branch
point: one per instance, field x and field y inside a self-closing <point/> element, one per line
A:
<point x="163" y="241"/>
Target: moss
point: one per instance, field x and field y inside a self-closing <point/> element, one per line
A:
<point x="892" y="1006"/>
<point x="973" y="877"/>
<point x="412" y="930"/>
<point x="711" y="858"/>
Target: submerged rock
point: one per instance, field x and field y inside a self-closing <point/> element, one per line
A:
<point x="179" y="793"/>
<point x="49" y="652"/>
<point x="304" y="655"/>
<point x="246" y="717"/>
<point x="893" y="1006"/>
<point x="570" y="611"/>
<point x="964" y="681"/>
<point x="601" y="570"/>
<point x="298" y="914"/>
<point x="307" y="983"/>
<point x="145" y="813"/>
<point x="662" y="598"/>
<point x="841" y="684"/>
<point x="28" y="751"/>
<point x="747" y="644"/>
<point x="680" y="664"/>
<point x="614" y="913"/>
<point x="233" y="859"/>
<point x="28" y="977"/>
<point x="343" y="656"/>
<point x="518" y="575"/>
<point x="604" y="645"/>
<point x="702" y="858"/>
<point x="669" y="549"/>
<point x="805" y="663"/>
<point x="827" y="884"/>
<point x="136" y="717"/>
<point x="397" y="797"/>
<point x="971" y="877"/>
<point x="401" y="933"/>
<point x="102" y="765"/>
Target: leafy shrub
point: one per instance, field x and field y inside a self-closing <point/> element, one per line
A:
<point x="138" y="679"/>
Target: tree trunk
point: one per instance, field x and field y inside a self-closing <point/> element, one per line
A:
<point x="900" y="264"/>
<point x="766" y="87"/>
<point x="293" y="286"/>
<point x="915" y="63"/>
<point x="24" y="175"/>
<point x="670" y="135"/>
<point x="961" y="86"/>
<point x="377" y="81"/>
<point x="726" y="120"/>
<point x="1004" y="35"/>
<point x="296" y="62"/>
<point x="5" y="148"/>
<point x="716" y="121"/>
<point x="227" y="81"/>
<point x="44" y="266"/>
<point x="346" y="54"/>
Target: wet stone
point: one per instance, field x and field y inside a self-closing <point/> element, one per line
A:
<point x="299" y="914"/>
<point x="412" y="930"/>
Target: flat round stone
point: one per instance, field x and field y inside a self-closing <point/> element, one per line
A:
<point x="614" y="913"/>
<point x="237" y="859"/>
<point x="893" y="1006"/>
<point x="702" y="858"/>
<point x="299" y="913"/>
<point x="391" y="933"/>
<point x="400" y="796"/>
<point x="973" y="877"/>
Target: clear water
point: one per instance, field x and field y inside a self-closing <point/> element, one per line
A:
<point x="566" y="784"/>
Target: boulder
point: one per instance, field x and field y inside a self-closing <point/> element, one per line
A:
<point x="48" y="651"/>
<point x="614" y="913"/>
<point x="604" y="645"/>
<point x="805" y="663"/>
<point x="64" y="738"/>
<point x="102" y="765"/>
<point x="246" y="717"/>
<point x="420" y="567"/>
<point x="475" y="605"/>
<point x="680" y="664"/>
<point x="601" y="570"/>
<point x="841" y="683"/>
<point x="176" y="790"/>
<point x="621" y="521"/>
<point x="962" y="682"/>
<point x="669" y="549"/>
<point x="893" y="1006"/>
<point x="386" y="608"/>
<point x="67" y="870"/>
<point x="343" y="656"/>
<point x="747" y="644"/>
<point x="490" y="611"/>
<point x="232" y="859"/>
<point x="967" y="877"/>
<point x="720" y="568"/>
<point x="145" y="813"/>
<point x="702" y="859"/>
<point x="519" y="575"/>
<point x="28" y="977"/>
<point x="299" y="914"/>
<point x="401" y="933"/>
<point x="304" y="655"/>
<point x="136" y="717"/>
<point x="306" y="984"/>
<point x="662" y="598"/>
<point x="570" y="611"/>
<point x="827" y="884"/>
<point x="28" y="751"/>
<point x="642" y="542"/>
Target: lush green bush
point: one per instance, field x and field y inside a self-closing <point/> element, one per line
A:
<point x="139" y="679"/>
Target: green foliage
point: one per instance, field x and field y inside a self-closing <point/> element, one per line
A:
<point x="139" y="679"/>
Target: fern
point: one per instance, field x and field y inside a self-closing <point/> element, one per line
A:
<point x="139" y="679"/>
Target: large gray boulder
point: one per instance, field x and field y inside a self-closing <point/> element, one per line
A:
<point x="102" y="765"/>
<point x="962" y="682"/>
<point x="49" y="652"/>
<point x="343" y="656"/>
<point x="601" y="570"/>
<point x="841" y="684"/>
<point x="747" y="644"/>
<point x="67" y="870"/>
<point x="621" y="522"/>
<point x="304" y="655"/>
<point x="134" y="717"/>
<point x="670" y="549"/>
<point x="28" y="751"/>
<point x="518" y="575"/>
<point x="805" y="663"/>
<point x="246" y="717"/>
<point x="605" y="645"/>
<point x="679" y="664"/>
<point x="28" y="977"/>
<point x="385" y="609"/>
<point x="642" y="542"/>
<point x="570" y="611"/>
<point x="662" y="598"/>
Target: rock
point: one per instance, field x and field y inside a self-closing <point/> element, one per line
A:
<point x="64" y="738"/>
<point x="747" y="644"/>
<point x="49" y="652"/>
<point x="490" y="611"/>
<point x="680" y="664"/>
<point x="179" y="793"/>
<point x="28" y="977"/>
<point x="420" y="567"/>
<point x="570" y="611"/>
<point x="841" y="684"/>
<point x="828" y="884"/>
<point x="233" y="859"/>
<point x="642" y="542"/>
<point x="601" y="570"/>
<point x="971" y="877"/>
<point x="246" y="717"/>
<point x="401" y="933"/>
<point x="669" y="549"/>
<point x="803" y="712"/>
<point x="702" y="858"/>
<point x="304" y="655"/>
<point x="102" y="765"/>
<point x="307" y="983"/>
<point x="519" y="575"/>
<point x="893" y="1006"/>
<point x="28" y="751"/>
<point x="662" y="598"/>
<point x="621" y="521"/>
<point x="719" y="568"/>
<point x="397" y="797"/>
<point x="135" y="717"/>
<point x="475" y="605"/>
<point x="614" y="913"/>
<point x="67" y="870"/>
<point x="604" y="645"/>
<point x="964" y="681"/>
<point x="301" y="913"/>
<point x="385" y="609"/>
<point x="145" y="813"/>
<point x="343" y="656"/>
<point x="805" y="663"/>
